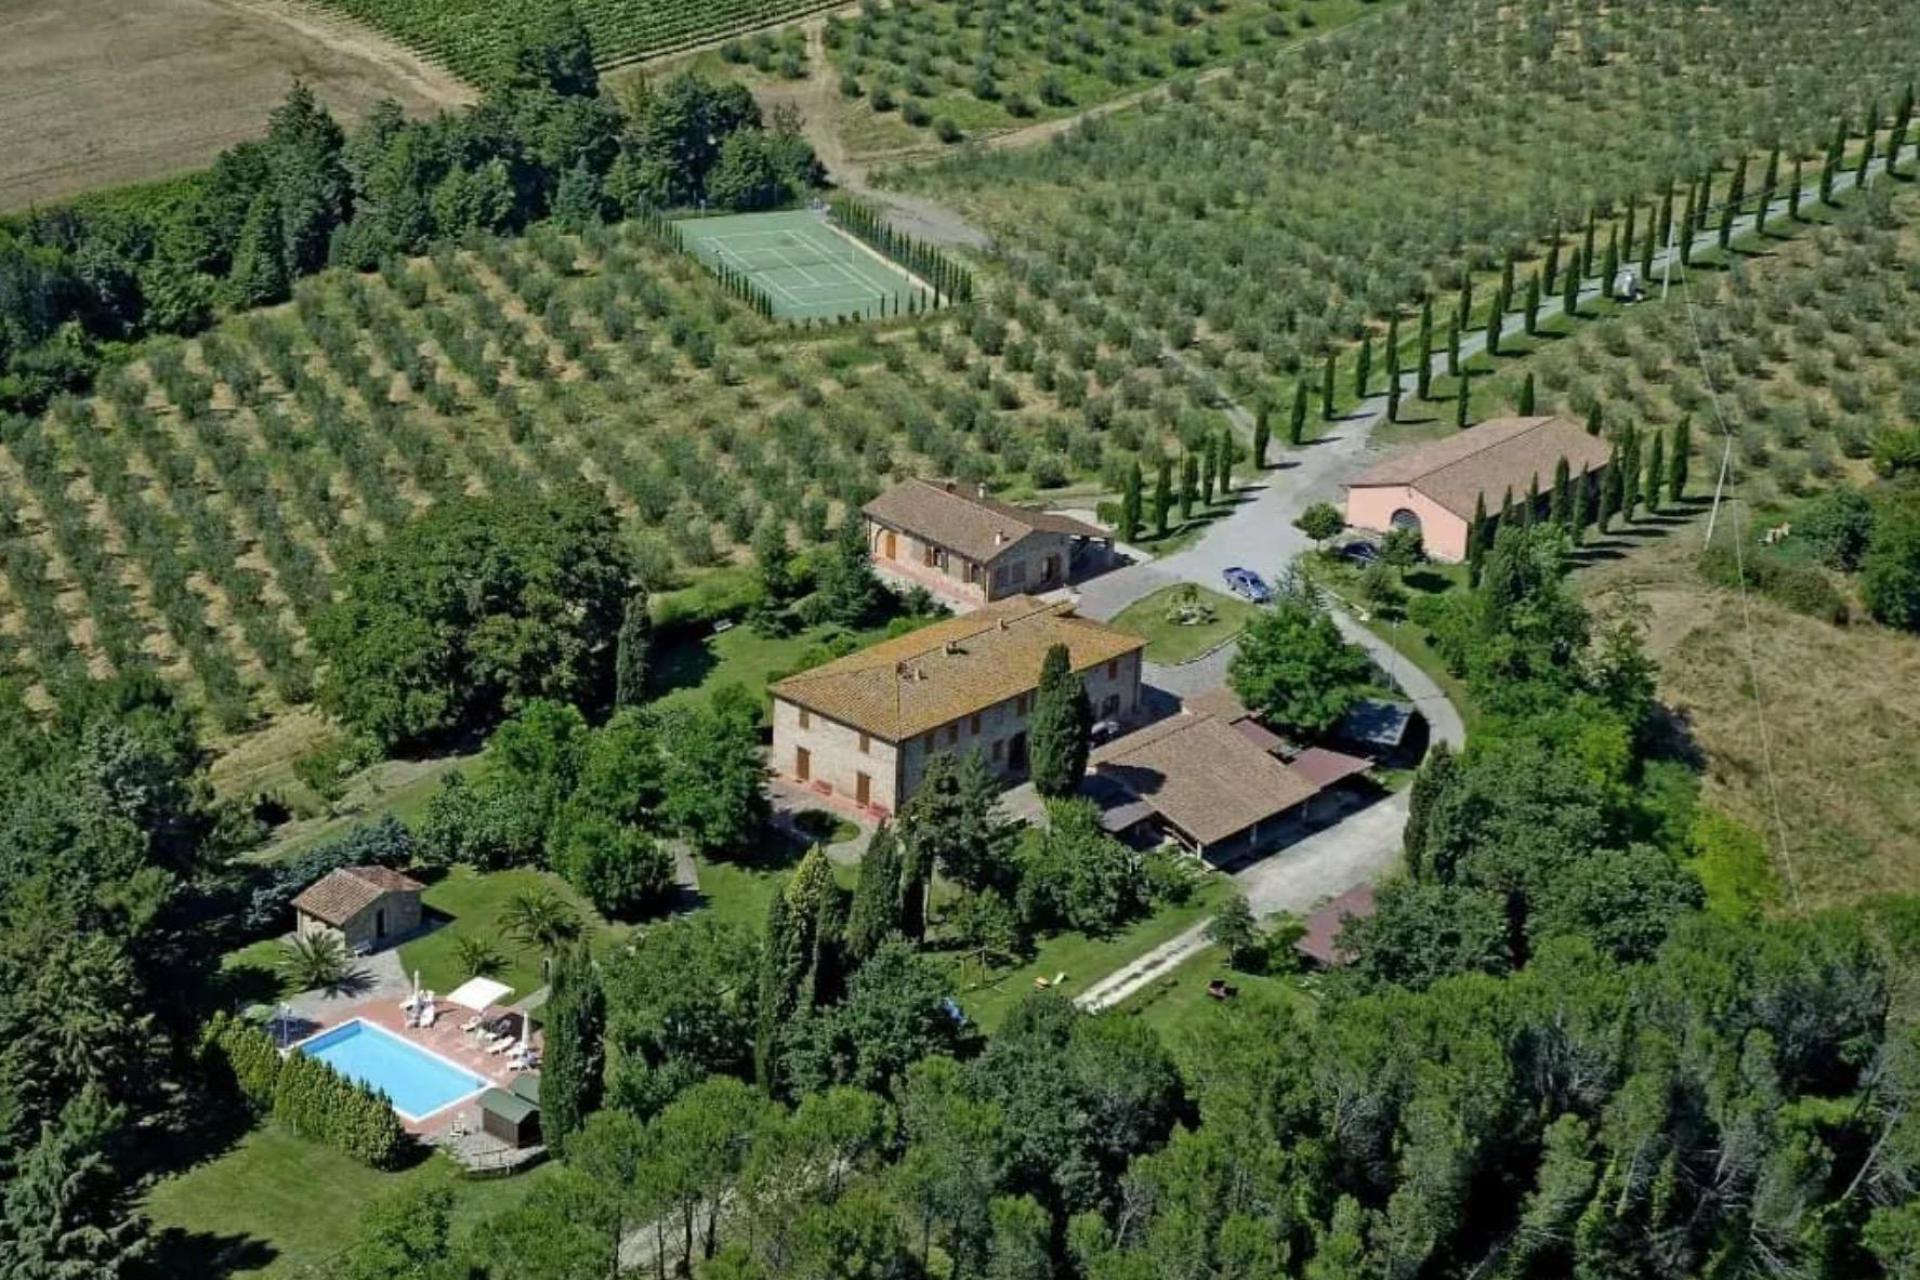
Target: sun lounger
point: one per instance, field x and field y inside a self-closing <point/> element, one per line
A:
<point x="472" y="1024"/>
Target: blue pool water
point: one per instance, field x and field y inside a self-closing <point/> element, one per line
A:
<point x="418" y="1082"/>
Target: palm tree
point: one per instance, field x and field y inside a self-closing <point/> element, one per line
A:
<point x="317" y="961"/>
<point x="478" y="956"/>
<point x="541" y="919"/>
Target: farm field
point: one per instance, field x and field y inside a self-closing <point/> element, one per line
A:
<point x="469" y="36"/>
<point x="101" y="93"/>
<point x="191" y="514"/>
<point x="1397" y="160"/>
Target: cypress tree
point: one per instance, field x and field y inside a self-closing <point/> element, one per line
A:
<point x="1610" y="266"/>
<point x="1130" y="510"/>
<point x="1224" y="452"/>
<point x="1726" y="227"/>
<point x="1531" y="511"/>
<point x="1666" y="213"/>
<point x="1297" y="420"/>
<point x="1866" y="152"/>
<point x="1552" y="268"/>
<point x="1793" y="192"/>
<point x="1465" y="309"/>
<point x="1593" y="420"/>
<point x="1393" y="400"/>
<point x="1704" y="203"/>
<point x="1363" y="367"/>
<point x="1902" y="118"/>
<point x="1453" y="347"/>
<point x="1626" y="234"/>
<point x="1686" y="235"/>
<point x="1526" y="395"/>
<point x="1533" y="304"/>
<point x="1677" y="464"/>
<point x="1737" y="193"/>
<point x="1326" y="390"/>
<point x="1769" y="181"/>
<point x="1189" y="484"/>
<point x="1831" y="167"/>
<point x="875" y="914"/>
<point x="1570" y="293"/>
<point x="1262" y="434"/>
<point x="1506" y="277"/>
<point x="1423" y="379"/>
<point x="1460" y="405"/>
<point x="1656" y="472"/>
<point x="631" y="650"/>
<point x="1163" y="496"/>
<point x="1560" y="506"/>
<point x="1582" y="507"/>
<point x="1060" y="726"/>
<point x="1393" y="346"/>
<point x="1646" y="254"/>
<point x="1586" y="246"/>
<point x="1495" y="313"/>
<point x="1477" y="540"/>
<point x="1629" y="472"/>
<point x="1609" y="491"/>
<point x="574" y="1056"/>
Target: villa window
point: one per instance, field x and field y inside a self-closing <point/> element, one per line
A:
<point x="865" y="742"/>
<point x="973" y="724"/>
<point x="806" y="719"/>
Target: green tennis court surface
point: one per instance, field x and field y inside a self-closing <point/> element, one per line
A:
<point x="810" y="270"/>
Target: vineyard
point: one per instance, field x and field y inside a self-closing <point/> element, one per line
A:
<point x="1265" y="218"/>
<point x="471" y="37"/>
<point x="964" y="67"/>
<point x="191" y="514"/>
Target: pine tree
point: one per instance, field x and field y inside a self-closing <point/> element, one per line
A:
<point x="1189" y="485"/>
<point x="62" y="1212"/>
<point x="1363" y="367"/>
<point x="1424" y="378"/>
<point x="1297" y="421"/>
<point x="1560" y="506"/>
<point x="1163" y="496"/>
<point x="1656" y="472"/>
<point x="631" y="649"/>
<point x="1525" y="406"/>
<point x="1326" y="389"/>
<point x="875" y="914"/>
<point x="1060" y="728"/>
<point x="1677" y="463"/>
<point x="1262" y="434"/>
<point x="1130" y="511"/>
<point x="574" y="1054"/>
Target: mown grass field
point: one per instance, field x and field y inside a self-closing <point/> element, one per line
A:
<point x="1171" y="640"/>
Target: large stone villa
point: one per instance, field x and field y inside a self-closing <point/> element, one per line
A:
<point x="861" y="729"/>
<point x="972" y="549"/>
<point x="1433" y="488"/>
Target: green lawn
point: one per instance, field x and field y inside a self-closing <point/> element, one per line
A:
<point x="693" y="669"/>
<point x="1085" y="960"/>
<point x="276" y="1205"/>
<point x="1170" y="642"/>
<point x="475" y="901"/>
<point x="1180" y="1010"/>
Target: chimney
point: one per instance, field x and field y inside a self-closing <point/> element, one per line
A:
<point x="953" y="648"/>
<point x="980" y="491"/>
<point x="999" y="537"/>
<point x="948" y="486"/>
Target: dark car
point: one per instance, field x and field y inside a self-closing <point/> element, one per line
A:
<point x="1247" y="584"/>
<point x="1360" y="552"/>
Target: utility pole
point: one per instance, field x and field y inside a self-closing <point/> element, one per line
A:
<point x="1666" y="270"/>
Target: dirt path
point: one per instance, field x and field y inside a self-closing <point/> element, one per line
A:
<point x="343" y="35"/>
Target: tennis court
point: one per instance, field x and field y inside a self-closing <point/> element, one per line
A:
<point x="809" y="269"/>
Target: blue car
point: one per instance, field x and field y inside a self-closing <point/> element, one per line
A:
<point x="1247" y="584"/>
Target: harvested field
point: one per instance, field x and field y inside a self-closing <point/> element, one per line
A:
<point x="101" y="93"/>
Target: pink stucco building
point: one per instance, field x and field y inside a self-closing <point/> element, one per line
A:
<point x="1433" y="488"/>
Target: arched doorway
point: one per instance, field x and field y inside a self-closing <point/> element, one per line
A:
<point x="1405" y="519"/>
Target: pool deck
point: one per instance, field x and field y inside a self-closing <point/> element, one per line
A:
<point x="445" y="1038"/>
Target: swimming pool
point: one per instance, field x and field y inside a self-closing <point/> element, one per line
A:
<point x="417" y="1081"/>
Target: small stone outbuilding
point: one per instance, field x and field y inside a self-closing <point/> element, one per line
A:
<point x="367" y="908"/>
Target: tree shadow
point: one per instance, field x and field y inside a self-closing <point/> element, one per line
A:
<point x="178" y="1254"/>
<point x="1426" y="580"/>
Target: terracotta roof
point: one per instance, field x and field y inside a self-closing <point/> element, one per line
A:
<point x="967" y="521"/>
<point x="1323" y="768"/>
<point x="1497" y="455"/>
<point x="339" y="896"/>
<point x="1200" y="774"/>
<point x="1321" y="940"/>
<point x="1218" y="701"/>
<point x="902" y="687"/>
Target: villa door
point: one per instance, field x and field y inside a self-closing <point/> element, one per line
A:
<point x="893" y="546"/>
<point x="862" y="788"/>
<point x="802" y="763"/>
<point x="380" y="923"/>
<point x="1017" y="753"/>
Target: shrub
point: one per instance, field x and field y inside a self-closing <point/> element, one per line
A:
<point x="1801" y="588"/>
<point x="946" y="130"/>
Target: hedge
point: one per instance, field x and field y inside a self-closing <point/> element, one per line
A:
<point x="304" y="1094"/>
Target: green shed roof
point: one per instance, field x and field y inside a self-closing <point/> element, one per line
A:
<point x="527" y="1085"/>
<point x="507" y="1106"/>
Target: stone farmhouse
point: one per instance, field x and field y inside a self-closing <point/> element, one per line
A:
<point x="861" y="729"/>
<point x="971" y="549"/>
<point x="365" y="907"/>
<point x="1433" y="488"/>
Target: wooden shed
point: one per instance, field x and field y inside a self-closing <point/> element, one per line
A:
<point x="511" y="1116"/>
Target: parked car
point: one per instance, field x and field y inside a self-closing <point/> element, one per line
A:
<point x="1361" y="553"/>
<point x="1104" y="731"/>
<point x="1247" y="584"/>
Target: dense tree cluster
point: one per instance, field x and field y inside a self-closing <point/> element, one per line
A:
<point x="543" y="142"/>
